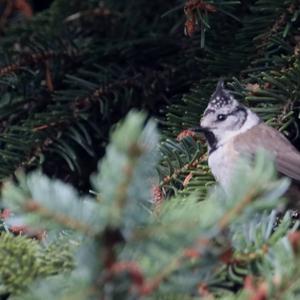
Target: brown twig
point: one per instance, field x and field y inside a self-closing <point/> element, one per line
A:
<point x="49" y="81"/>
<point x="97" y="12"/>
<point x="28" y="232"/>
<point x="112" y="236"/>
<point x="236" y="210"/>
<point x="32" y="59"/>
<point x="33" y="206"/>
<point x="195" y="164"/>
<point x="83" y="102"/>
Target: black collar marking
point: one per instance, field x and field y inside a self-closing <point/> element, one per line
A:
<point x="211" y="141"/>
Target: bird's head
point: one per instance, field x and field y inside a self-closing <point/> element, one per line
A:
<point x="225" y="117"/>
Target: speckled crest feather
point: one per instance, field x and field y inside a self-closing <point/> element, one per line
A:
<point x="221" y="98"/>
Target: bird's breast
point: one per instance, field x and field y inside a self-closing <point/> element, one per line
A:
<point x="222" y="163"/>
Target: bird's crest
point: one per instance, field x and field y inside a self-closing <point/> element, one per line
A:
<point x="221" y="97"/>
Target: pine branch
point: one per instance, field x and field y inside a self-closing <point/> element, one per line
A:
<point x="22" y="262"/>
<point x="33" y="59"/>
<point x="64" y="220"/>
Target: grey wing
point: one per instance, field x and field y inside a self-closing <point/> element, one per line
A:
<point x="287" y="158"/>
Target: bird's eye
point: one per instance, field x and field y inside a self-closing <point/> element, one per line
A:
<point x="221" y="117"/>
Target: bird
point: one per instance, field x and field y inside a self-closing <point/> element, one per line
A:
<point x="233" y="130"/>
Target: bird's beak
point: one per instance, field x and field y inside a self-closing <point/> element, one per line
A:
<point x="199" y="129"/>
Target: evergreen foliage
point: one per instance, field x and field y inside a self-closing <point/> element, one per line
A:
<point x="24" y="260"/>
<point x="153" y="225"/>
<point x="133" y="246"/>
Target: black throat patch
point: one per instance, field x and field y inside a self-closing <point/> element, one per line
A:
<point x="211" y="141"/>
